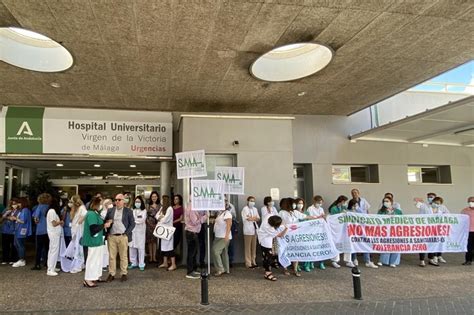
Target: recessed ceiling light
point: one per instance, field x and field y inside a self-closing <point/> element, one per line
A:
<point x="55" y="84"/>
<point x="59" y="165"/>
<point x="301" y="93"/>
<point x="291" y="62"/>
<point x="138" y="173"/>
<point x="89" y="174"/>
<point x="115" y="175"/>
<point x="83" y="173"/>
<point x="33" y="51"/>
<point x="353" y="141"/>
<point x="425" y="145"/>
<point x="133" y="165"/>
<point x="96" y="165"/>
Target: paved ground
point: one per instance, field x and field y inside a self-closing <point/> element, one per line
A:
<point x="408" y="289"/>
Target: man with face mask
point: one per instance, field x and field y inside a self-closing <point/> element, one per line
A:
<point x="250" y="217"/>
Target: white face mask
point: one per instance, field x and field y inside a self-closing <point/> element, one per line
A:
<point x="293" y="206"/>
<point x="251" y="204"/>
<point x="14" y="206"/>
<point x="435" y="205"/>
<point x="70" y="204"/>
<point x="430" y="199"/>
<point x="110" y="206"/>
<point x="317" y="205"/>
<point x="271" y="204"/>
<point x="126" y="200"/>
<point x="387" y="204"/>
<point x="138" y="205"/>
<point x="345" y="204"/>
<point x="471" y="204"/>
<point x="299" y="206"/>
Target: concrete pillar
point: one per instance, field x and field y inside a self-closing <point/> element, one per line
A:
<point x="165" y="188"/>
<point x="2" y="181"/>
<point x="10" y="183"/>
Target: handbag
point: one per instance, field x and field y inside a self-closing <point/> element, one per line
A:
<point x="164" y="232"/>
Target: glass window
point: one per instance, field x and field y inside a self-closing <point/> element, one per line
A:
<point x="345" y="174"/>
<point x="360" y="174"/>
<point x="429" y="174"/>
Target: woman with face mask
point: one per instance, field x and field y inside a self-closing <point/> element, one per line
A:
<point x="250" y="218"/>
<point x="340" y="206"/>
<point x="55" y="233"/>
<point x="137" y="245"/>
<point x="438" y="207"/>
<point x="93" y="238"/>
<point x="72" y="260"/>
<point x="316" y="211"/>
<point x="289" y="215"/>
<point x="469" y="211"/>
<point x="9" y="254"/>
<point x="268" y="209"/>
<point x="388" y="208"/>
<point x="23" y="229"/>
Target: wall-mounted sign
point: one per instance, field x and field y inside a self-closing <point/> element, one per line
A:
<point x="85" y="131"/>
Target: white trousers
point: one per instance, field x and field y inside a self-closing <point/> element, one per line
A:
<point x="53" y="253"/>
<point x="137" y="256"/>
<point x="95" y="256"/>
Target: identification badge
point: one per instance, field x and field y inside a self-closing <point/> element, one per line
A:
<point x="70" y="224"/>
<point x="23" y="231"/>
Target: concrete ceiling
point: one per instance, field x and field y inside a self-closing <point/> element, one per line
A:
<point x="451" y="124"/>
<point x="193" y="56"/>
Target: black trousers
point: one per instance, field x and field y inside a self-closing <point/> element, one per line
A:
<point x="177" y="236"/>
<point x="9" y="253"/>
<point x="192" y="240"/>
<point x="470" y="246"/>
<point x="269" y="259"/>
<point x="42" y="248"/>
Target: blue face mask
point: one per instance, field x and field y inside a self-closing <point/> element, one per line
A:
<point x="138" y="205"/>
<point x="430" y="199"/>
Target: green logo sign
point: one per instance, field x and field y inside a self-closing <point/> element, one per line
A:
<point x="228" y="178"/>
<point x="205" y="192"/>
<point x="24" y="130"/>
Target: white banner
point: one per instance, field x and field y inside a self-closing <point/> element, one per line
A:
<point x="306" y="241"/>
<point x="233" y="178"/>
<point x="107" y="132"/>
<point x="191" y="164"/>
<point x="207" y="195"/>
<point x="365" y="233"/>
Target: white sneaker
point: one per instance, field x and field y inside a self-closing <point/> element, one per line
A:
<point x="52" y="273"/>
<point x="433" y="262"/>
<point x="356" y="262"/>
<point x="379" y="264"/>
<point x="422" y="263"/>
<point x="335" y="265"/>
<point x="4" y="262"/>
<point x="393" y="265"/>
<point x="441" y="260"/>
<point x="192" y="276"/>
<point x="371" y="265"/>
<point x="20" y="263"/>
<point x="75" y="271"/>
<point x="435" y="259"/>
<point x="57" y="269"/>
<point x="350" y="264"/>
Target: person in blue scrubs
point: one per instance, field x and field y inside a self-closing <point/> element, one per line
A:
<point x="42" y="239"/>
<point x="9" y="254"/>
<point x="22" y="231"/>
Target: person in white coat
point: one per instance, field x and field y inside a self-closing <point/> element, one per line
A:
<point x="74" y="257"/>
<point x="137" y="245"/>
<point x="107" y="204"/>
<point x="250" y="217"/>
<point x="165" y="217"/>
<point x="289" y="215"/>
<point x="55" y="230"/>
<point x="434" y="205"/>
<point x="268" y="209"/>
